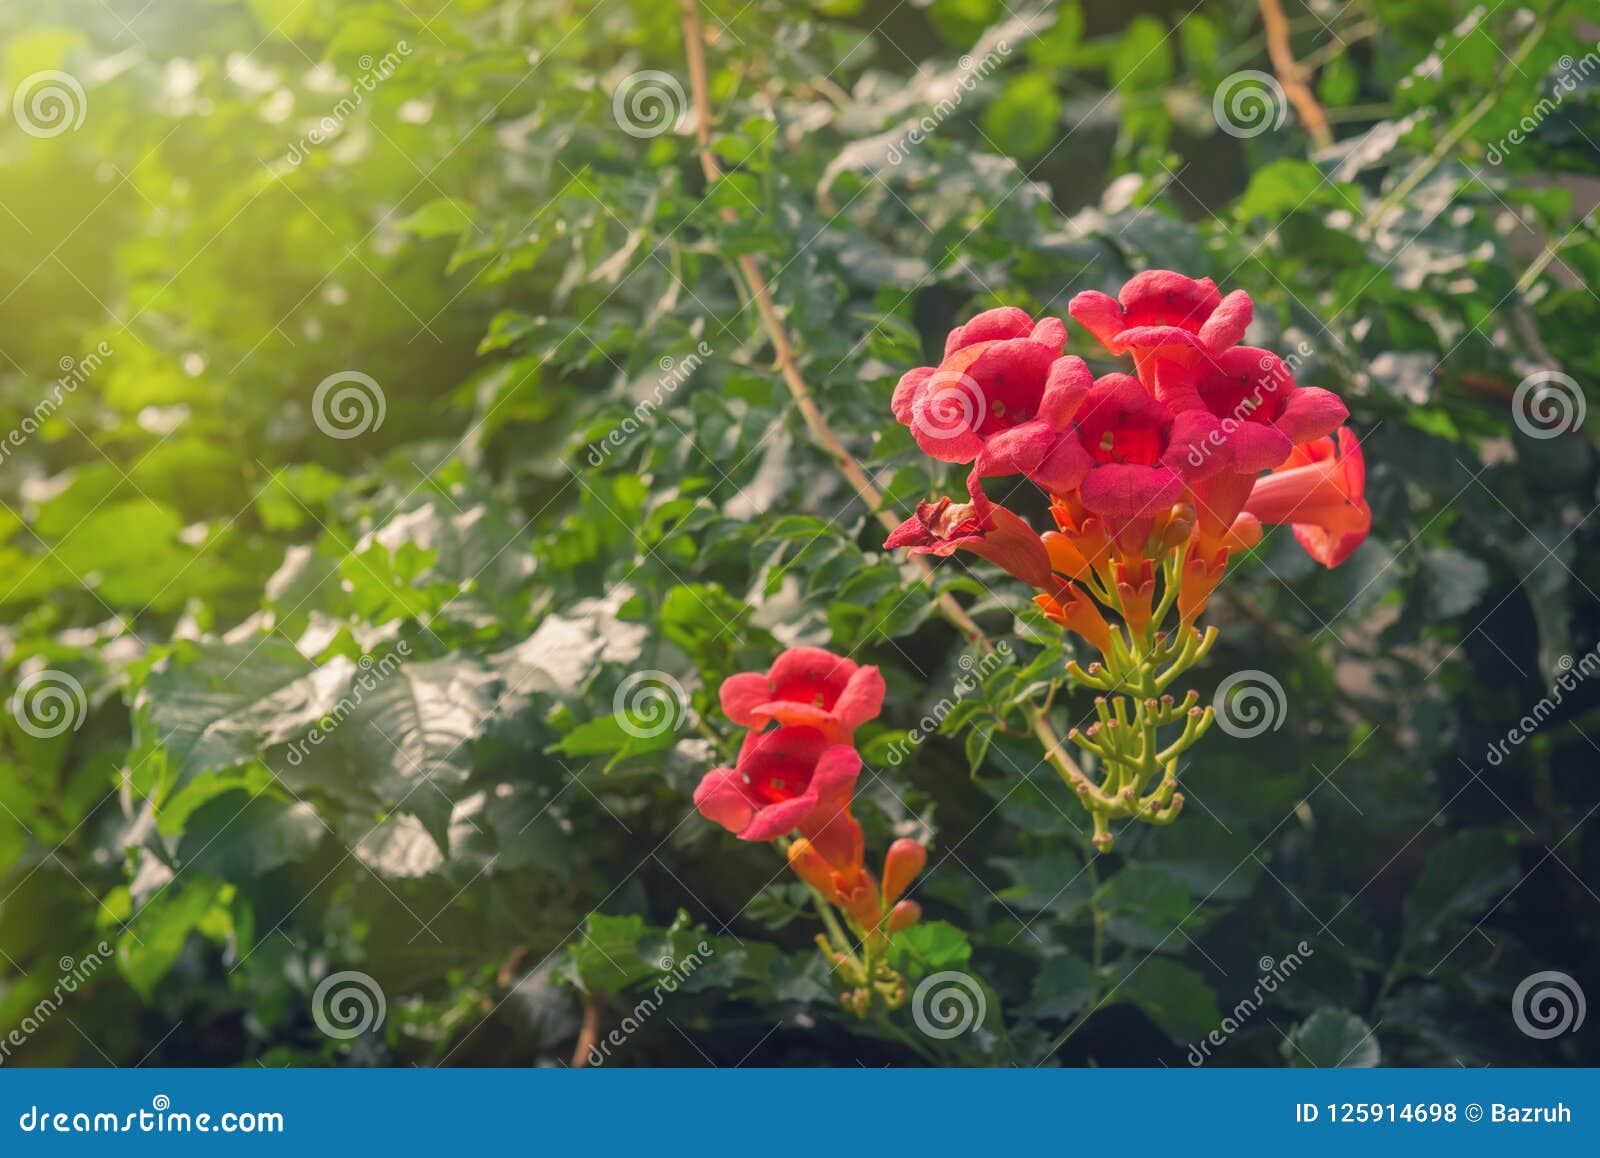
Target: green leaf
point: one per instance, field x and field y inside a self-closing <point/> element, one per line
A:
<point x="151" y="943"/>
<point x="1464" y="874"/>
<point x="1142" y="59"/>
<point x="1024" y="118"/>
<point x="1176" y="998"/>
<point x="1332" y="1038"/>
<point x="1064" y="985"/>
<point x="928" y="947"/>
<point x="441" y="217"/>
<point x="1146" y="908"/>
<point x="391" y="731"/>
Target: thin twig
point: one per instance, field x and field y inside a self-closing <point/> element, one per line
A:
<point x="588" y="1035"/>
<point x="750" y="269"/>
<point x="1289" y="74"/>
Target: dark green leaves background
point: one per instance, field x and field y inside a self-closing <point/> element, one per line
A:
<point x="520" y="275"/>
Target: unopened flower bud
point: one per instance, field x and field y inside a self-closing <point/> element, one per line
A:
<point x="904" y="915"/>
<point x="810" y="866"/>
<point x="905" y="859"/>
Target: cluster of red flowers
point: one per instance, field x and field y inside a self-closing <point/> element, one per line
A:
<point x="799" y="776"/>
<point x="1139" y="466"/>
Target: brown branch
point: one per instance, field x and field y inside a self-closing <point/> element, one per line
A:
<point x="1289" y="74"/>
<point x="750" y="270"/>
<point x="588" y="1035"/>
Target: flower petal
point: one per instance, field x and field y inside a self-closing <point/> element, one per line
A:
<point x="741" y="694"/>
<point x="862" y="698"/>
<point x="834" y="780"/>
<point x="812" y="668"/>
<point x="990" y="326"/>
<point x="1016" y="451"/>
<point x="1174" y="341"/>
<point x="1311" y="412"/>
<point x="1198" y="448"/>
<point x="1068" y="383"/>
<point x="1050" y="332"/>
<point x="1258" y="447"/>
<point x="1122" y="490"/>
<point x="723" y="798"/>
<point x="1228" y="322"/>
<point x="1064" y="467"/>
<point x="793" y="714"/>
<point x="1161" y="297"/>
<point x="912" y="385"/>
<point x="1101" y="315"/>
<point x="775" y="820"/>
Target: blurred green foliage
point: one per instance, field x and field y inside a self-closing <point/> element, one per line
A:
<point x="441" y="197"/>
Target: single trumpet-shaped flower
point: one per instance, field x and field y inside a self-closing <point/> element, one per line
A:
<point x="981" y="526"/>
<point x="785" y="779"/>
<point x="1321" y="492"/>
<point x="1161" y="317"/>
<point x="1141" y="452"/>
<point x="1002" y="398"/>
<point x="806" y="687"/>
<point x="1260" y="412"/>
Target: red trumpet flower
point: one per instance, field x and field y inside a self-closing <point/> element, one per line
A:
<point x="1259" y="413"/>
<point x="1161" y="316"/>
<point x="1141" y="451"/>
<point x="1321" y="492"/>
<point x="985" y="528"/>
<point x="786" y="779"/>
<point x="806" y="687"/>
<point x="1003" y="397"/>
